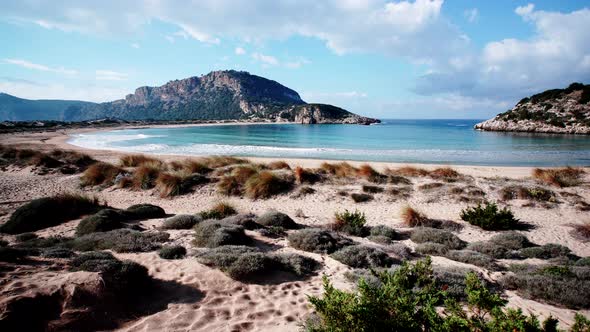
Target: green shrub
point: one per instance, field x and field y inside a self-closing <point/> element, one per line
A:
<point x="489" y="248"/>
<point x="352" y="223"/>
<point x="48" y="212"/>
<point x="212" y="233"/>
<point x="145" y="211"/>
<point x="58" y="253"/>
<point x="546" y="251"/>
<point x="407" y="300"/>
<point x="297" y="264"/>
<point x="119" y="240"/>
<point x="472" y="257"/>
<point x="431" y="248"/>
<point x="490" y="217"/>
<point x="246" y="220"/>
<point x="317" y="240"/>
<point x="511" y="240"/>
<point x="102" y="221"/>
<point x="581" y="323"/>
<point x="359" y="256"/>
<point x="585" y="261"/>
<point x="181" y="221"/>
<point x="219" y="211"/>
<point x="421" y="235"/>
<point x="361" y="198"/>
<point x="386" y="231"/>
<point x="172" y="252"/>
<point x="272" y="232"/>
<point x="276" y="219"/>
<point x="452" y="280"/>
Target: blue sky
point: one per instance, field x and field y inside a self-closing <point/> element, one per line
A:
<point x="389" y="59"/>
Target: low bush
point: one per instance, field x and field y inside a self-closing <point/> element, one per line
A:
<point x="306" y="175"/>
<point x="134" y="160"/>
<point x="537" y="194"/>
<point x="398" y="193"/>
<point x="276" y="219"/>
<point x="560" y="177"/>
<point x="102" y="221"/>
<point x="372" y="189"/>
<point x="265" y="185"/>
<point x="421" y="235"/>
<point x="367" y="172"/>
<point x="172" y="252"/>
<point x="408" y="299"/>
<point x="584" y="261"/>
<point x="361" y="198"/>
<point x="472" y="257"/>
<point x="317" y="240"/>
<point x="401" y="251"/>
<point x="546" y="251"/>
<point x="181" y="221"/>
<point x="145" y="211"/>
<point x="119" y="276"/>
<point x="385" y="231"/>
<point x="273" y="232"/>
<point x="218" y="211"/>
<point x="489" y="217"/>
<point x="431" y="248"/>
<point x="452" y="280"/>
<point x="58" y="253"/>
<point x="399" y="180"/>
<point x="212" y="233"/>
<point x="359" y="256"/>
<point x="297" y="264"/>
<point x="48" y="212"/>
<point x="511" y="240"/>
<point x="491" y="249"/>
<point x="352" y="223"/>
<point x="246" y="220"/>
<point x="119" y="240"/>
<point x="100" y="173"/>
<point x="179" y="183"/>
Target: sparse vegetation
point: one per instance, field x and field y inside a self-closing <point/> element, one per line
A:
<point x="489" y="217"/>
<point x="372" y="189"/>
<point x="100" y="173"/>
<point x="431" y="248"/>
<point x="181" y="221"/>
<point x="265" y="185"/>
<point x="145" y="211"/>
<point x="359" y="256"/>
<point x="581" y="231"/>
<point x="276" y="219"/>
<point x="103" y="221"/>
<point x="537" y="194"/>
<point x="472" y="257"/>
<point x="546" y="251"/>
<point x="172" y="252"/>
<point x="49" y="211"/>
<point x="352" y="223"/>
<point x="560" y="177"/>
<point x="213" y="233"/>
<point x="120" y="240"/>
<point x="424" y="234"/>
<point x="218" y="211"/>
<point x="361" y="198"/>
<point x="317" y="240"/>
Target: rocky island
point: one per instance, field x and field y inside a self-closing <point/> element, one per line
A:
<point x="557" y="111"/>
<point x="219" y="95"/>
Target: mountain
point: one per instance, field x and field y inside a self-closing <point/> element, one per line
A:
<point x="17" y="109"/>
<point x="219" y="95"/>
<point x="559" y="111"/>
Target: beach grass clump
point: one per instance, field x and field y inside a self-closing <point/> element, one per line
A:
<point x="412" y="217"/>
<point x="73" y="158"/>
<point x="304" y="191"/>
<point x="352" y="223"/>
<point x="181" y="221"/>
<point x="425" y="234"/>
<point x="172" y="252"/>
<point x="279" y="164"/>
<point x="218" y="211"/>
<point x="223" y="161"/>
<point x="103" y="221"/>
<point x="190" y="166"/>
<point x="490" y="217"/>
<point x="144" y="211"/>
<point x="546" y="251"/>
<point x="444" y="173"/>
<point x="367" y="172"/>
<point x="317" y="240"/>
<point x="559" y="177"/>
<point x="100" y="173"/>
<point x="361" y="198"/>
<point x="145" y="175"/>
<point x="276" y="219"/>
<point x="431" y="186"/>
<point x="47" y="212"/>
<point x="581" y="231"/>
<point x="432" y="248"/>
<point x="472" y="257"/>
<point x="134" y="160"/>
<point x="340" y="170"/>
<point x="119" y="240"/>
<point x="266" y="184"/>
<point x="214" y="233"/>
<point x="359" y="256"/>
<point x="306" y="175"/>
<point x="178" y="183"/>
<point x="409" y="171"/>
<point x="372" y="189"/>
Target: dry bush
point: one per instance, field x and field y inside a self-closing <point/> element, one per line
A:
<point x="409" y="171"/>
<point x="340" y="170"/>
<point x="100" y="174"/>
<point x="222" y="161"/>
<point x="124" y="182"/>
<point x="431" y="186"/>
<point x="361" y="198"/>
<point x="134" y="160"/>
<point x="581" y="231"/>
<point x="424" y="234"/>
<point x="144" y="176"/>
<point x="219" y="211"/>
<point x="317" y="240"/>
<point x="359" y="256"/>
<point x="444" y="173"/>
<point x="265" y="185"/>
<point x="279" y="164"/>
<point x="412" y="217"/>
<point x="119" y="240"/>
<point x="560" y="177"/>
<point x="432" y="248"/>
<point x="306" y="175"/>
<point x="372" y="189"/>
<point x="400" y="192"/>
<point x="190" y="166"/>
<point x="213" y="233"/>
<point x="173" y="184"/>
<point x="367" y="172"/>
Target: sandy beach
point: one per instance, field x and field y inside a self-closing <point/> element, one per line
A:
<point x="230" y="305"/>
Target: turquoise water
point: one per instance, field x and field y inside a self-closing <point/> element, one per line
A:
<point x="412" y="141"/>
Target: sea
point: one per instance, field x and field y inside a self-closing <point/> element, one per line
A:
<point x="452" y="142"/>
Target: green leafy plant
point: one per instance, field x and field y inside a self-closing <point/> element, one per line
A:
<point x="352" y="223"/>
<point x="490" y="217"/>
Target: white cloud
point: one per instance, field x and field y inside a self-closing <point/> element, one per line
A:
<point x="471" y="15"/>
<point x="240" y="51"/>
<point x="35" y="66"/>
<point x="344" y="94"/>
<point x="135" y="45"/>
<point x="110" y="75"/>
<point x="268" y="60"/>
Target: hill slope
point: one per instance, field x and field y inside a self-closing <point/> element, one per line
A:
<point x="561" y="111"/>
<point x="219" y="95"/>
<point x="18" y="109"/>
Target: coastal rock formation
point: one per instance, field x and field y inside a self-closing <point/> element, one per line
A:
<point x="558" y="111"/>
<point x="219" y="95"/>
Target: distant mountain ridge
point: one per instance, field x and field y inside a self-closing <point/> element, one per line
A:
<point x="558" y="111"/>
<point x="219" y="95"/>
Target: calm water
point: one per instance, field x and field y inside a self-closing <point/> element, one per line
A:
<point x="416" y="141"/>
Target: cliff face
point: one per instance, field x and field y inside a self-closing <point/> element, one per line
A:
<point x="219" y="95"/>
<point x="559" y="111"/>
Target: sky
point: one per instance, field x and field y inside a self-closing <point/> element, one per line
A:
<point x="388" y="59"/>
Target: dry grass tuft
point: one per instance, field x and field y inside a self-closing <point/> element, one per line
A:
<point x="169" y="184"/>
<point x="266" y="184"/>
<point x="222" y="161"/>
<point x="340" y="170"/>
<point x="306" y="175"/>
<point x="190" y="166"/>
<point x="560" y="177"/>
<point x="278" y="165"/>
<point x="145" y="175"/>
<point x="412" y="217"/>
<point x="134" y="160"/>
<point x="409" y="171"/>
<point x="444" y="173"/>
<point x="100" y="174"/>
